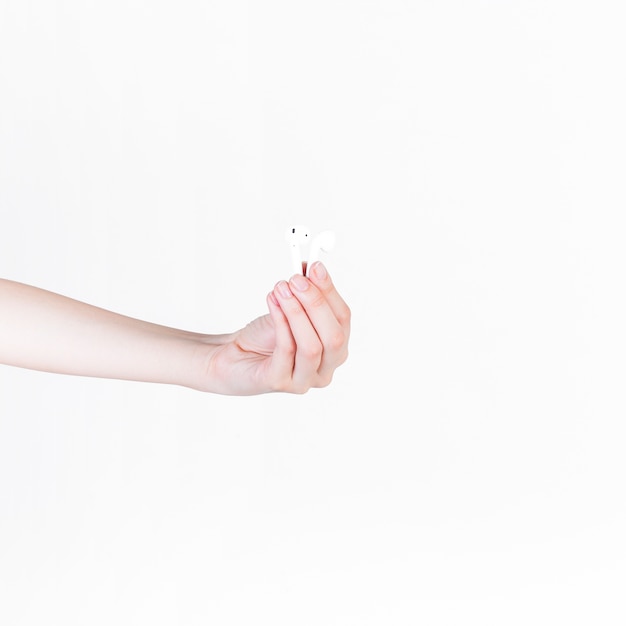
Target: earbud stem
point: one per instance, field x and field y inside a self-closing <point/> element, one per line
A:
<point x="314" y="255"/>
<point x="324" y="242"/>
<point x="296" y="259"/>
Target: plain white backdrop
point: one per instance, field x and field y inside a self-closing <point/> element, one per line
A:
<point x="467" y="464"/>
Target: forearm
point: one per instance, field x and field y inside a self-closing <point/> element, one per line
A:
<point x="45" y="331"/>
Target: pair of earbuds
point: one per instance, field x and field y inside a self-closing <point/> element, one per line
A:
<point x="297" y="236"/>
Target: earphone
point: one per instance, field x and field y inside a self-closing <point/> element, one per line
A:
<point x="324" y="242"/>
<point x="299" y="235"/>
<point x="295" y="237"/>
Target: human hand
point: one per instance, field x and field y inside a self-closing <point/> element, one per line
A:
<point x="295" y="347"/>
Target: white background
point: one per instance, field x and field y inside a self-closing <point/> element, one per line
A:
<point x="467" y="463"/>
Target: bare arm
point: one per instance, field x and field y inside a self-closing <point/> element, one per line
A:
<point x="45" y="331"/>
<point x="298" y="345"/>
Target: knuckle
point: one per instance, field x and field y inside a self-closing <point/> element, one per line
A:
<point x="337" y="341"/>
<point x="288" y="385"/>
<point x="317" y="301"/>
<point x="289" y="349"/>
<point x="300" y="390"/>
<point x="295" y="309"/>
<point x="312" y="351"/>
<point x="345" y="315"/>
<point x="325" y="380"/>
<point x="279" y="386"/>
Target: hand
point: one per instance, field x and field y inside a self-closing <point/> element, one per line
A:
<point x="297" y="346"/>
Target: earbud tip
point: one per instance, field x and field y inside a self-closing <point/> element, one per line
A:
<point x="296" y="234"/>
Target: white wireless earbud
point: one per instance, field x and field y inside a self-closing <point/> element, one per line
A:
<point x="324" y="242"/>
<point x="295" y="237"/>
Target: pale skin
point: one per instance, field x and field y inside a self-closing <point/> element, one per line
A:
<point x="297" y="346"/>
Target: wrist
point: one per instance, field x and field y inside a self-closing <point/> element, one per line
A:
<point x="201" y="373"/>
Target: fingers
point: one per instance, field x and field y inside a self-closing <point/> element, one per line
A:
<point x="322" y="280"/>
<point x="282" y="361"/>
<point x="332" y="335"/>
<point x="308" y="353"/>
<point x="318" y="321"/>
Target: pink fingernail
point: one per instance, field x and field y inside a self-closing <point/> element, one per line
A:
<point x="300" y="282"/>
<point x="319" y="270"/>
<point x="283" y="289"/>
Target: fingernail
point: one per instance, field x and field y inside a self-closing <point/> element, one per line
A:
<point x="300" y="282"/>
<point x="283" y="289"/>
<point x="319" y="270"/>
